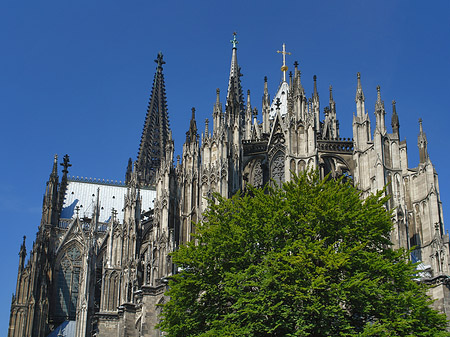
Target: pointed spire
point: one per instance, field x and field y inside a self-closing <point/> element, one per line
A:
<point x="156" y="129"/>
<point x="331" y="94"/>
<point x="234" y="82"/>
<point x="55" y="167"/>
<point x="23" y="250"/>
<point x="266" y="98"/>
<point x="380" y="112"/>
<point x="63" y="187"/>
<point x="249" y="106"/>
<point x="192" y="134"/>
<point x="315" y="95"/>
<point x="379" y="105"/>
<point x="50" y="204"/>
<point x="394" y="122"/>
<point x="422" y="144"/>
<point x="129" y="170"/>
<point x="359" y="91"/>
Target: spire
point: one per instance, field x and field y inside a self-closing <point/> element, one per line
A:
<point x="62" y="189"/>
<point x="234" y="82"/>
<point x="422" y="144"/>
<point x="266" y="97"/>
<point x="380" y="112"/>
<point x="22" y="254"/>
<point x="50" y="203"/>
<point x="156" y="128"/>
<point x="249" y="106"/>
<point x="54" y="173"/>
<point x="394" y="121"/>
<point x="331" y="94"/>
<point x="129" y="170"/>
<point x="315" y="95"/>
<point x="192" y="134"/>
<point x="359" y="91"/>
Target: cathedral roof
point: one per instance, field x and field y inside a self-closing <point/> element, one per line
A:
<point x="83" y="193"/>
<point x="282" y="95"/>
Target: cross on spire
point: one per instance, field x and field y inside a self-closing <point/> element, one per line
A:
<point x="234" y="41"/>
<point x="159" y="60"/>
<point x="284" y="67"/>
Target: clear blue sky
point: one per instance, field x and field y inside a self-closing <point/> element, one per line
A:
<point x="75" y="78"/>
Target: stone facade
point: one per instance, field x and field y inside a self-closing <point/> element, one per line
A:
<point x="110" y="275"/>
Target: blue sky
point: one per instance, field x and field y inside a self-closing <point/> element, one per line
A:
<point x="75" y="78"/>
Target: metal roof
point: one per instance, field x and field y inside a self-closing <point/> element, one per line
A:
<point x="83" y="194"/>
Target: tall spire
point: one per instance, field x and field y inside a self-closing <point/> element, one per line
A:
<point x="234" y="82"/>
<point x="156" y="129"/>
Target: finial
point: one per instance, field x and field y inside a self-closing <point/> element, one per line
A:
<point x="234" y="41"/>
<point x="394" y="110"/>
<point x="159" y="60"/>
<point x="290" y="75"/>
<point x="206" y="127"/>
<point x="420" y="125"/>
<point x="255" y="112"/>
<point x="315" y="85"/>
<point x="295" y="64"/>
<point x="65" y="163"/>
<point x="265" y="79"/>
<point x="358" y="75"/>
<point x="55" y="158"/>
<point x="331" y="93"/>
<point x="193" y="113"/>
<point x="278" y="103"/>
<point x="378" y="94"/>
<point x="217" y="95"/>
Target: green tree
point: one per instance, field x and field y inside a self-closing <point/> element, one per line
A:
<point x="308" y="259"/>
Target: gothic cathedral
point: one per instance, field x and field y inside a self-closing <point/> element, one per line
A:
<point x="100" y="263"/>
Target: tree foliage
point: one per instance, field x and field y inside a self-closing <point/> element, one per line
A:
<point x="308" y="259"/>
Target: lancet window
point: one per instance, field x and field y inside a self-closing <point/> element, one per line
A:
<point x="68" y="283"/>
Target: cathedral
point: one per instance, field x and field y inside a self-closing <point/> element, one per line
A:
<point x="100" y="263"/>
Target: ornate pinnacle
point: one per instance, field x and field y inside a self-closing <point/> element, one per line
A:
<point x="159" y="60"/>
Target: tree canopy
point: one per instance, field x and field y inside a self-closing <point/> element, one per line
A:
<point x="308" y="259"/>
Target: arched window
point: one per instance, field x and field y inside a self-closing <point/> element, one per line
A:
<point x="68" y="282"/>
